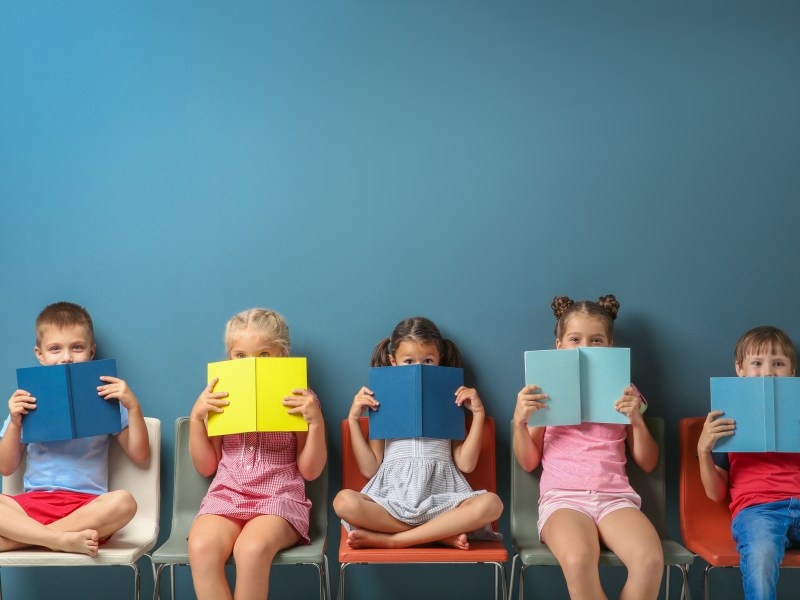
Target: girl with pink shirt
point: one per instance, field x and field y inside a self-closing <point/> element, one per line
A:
<point x="586" y="500"/>
<point x="256" y="505"/>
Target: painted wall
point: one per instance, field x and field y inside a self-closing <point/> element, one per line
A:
<point x="353" y="163"/>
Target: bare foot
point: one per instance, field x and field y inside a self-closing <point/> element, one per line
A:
<point x="459" y="542"/>
<point x="82" y="542"/>
<point x="364" y="538"/>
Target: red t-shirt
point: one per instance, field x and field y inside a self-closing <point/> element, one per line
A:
<point x="760" y="477"/>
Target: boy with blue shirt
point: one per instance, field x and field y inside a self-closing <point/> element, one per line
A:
<point x="66" y="505"/>
<point x="764" y="486"/>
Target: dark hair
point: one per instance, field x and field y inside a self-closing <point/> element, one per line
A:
<point x="764" y="338"/>
<point x="605" y="309"/>
<point x="418" y="329"/>
<point x="61" y="315"/>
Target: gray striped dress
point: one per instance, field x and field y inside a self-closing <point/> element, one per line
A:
<point x="418" y="481"/>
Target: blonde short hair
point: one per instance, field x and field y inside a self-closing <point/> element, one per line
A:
<point x="61" y="315"/>
<point x="764" y="339"/>
<point x="267" y="322"/>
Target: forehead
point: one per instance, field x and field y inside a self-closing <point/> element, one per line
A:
<point x="583" y="323"/>
<point x="250" y="338"/>
<point x="416" y="346"/>
<point x="764" y="349"/>
<point x="49" y="334"/>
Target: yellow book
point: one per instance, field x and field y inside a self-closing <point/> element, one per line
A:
<point x="256" y="388"/>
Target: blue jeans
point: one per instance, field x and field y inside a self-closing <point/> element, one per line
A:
<point x="762" y="534"/>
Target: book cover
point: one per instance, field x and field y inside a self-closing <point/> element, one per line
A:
<point x="416" y="401"/>
<point x="67" y="403"/>
<point x="766" y="411"/>
<point x="256" y="388"/>
<point x="582" y="384"/>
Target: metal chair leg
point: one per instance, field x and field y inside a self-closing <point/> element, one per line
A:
<point x="511" y="578"/>
<point x="340" y="594"/>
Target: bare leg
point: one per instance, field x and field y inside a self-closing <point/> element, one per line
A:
<point x="574" y="540"/>
<point x="632" y="537"/>
<point x="260" y="539"/>
<point x="18" y="530"/>
<point x="448" y="527"/>
<point x="107" y="514"/>
<point x="211" y="541"/>
<point x="361" y="511"/>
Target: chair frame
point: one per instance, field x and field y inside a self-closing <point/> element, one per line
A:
<point x="529" y="551"/>
<point x="175" y="550"/>
<point x="483" y="477"/>
<point x="700" y="515"/>
<point x="126" y="546"/>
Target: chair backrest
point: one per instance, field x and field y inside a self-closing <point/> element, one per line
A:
<point x="190" y="487"/>
<point x="143" y="481"/>
<point x="483" y="477"/>
<point x="702" y="519"/>
<point x="650" y="486"/>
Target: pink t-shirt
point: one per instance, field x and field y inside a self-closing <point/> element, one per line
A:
<point x="589" y="456"/>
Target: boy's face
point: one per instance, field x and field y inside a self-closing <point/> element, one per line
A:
<point x="770" y="363"/>
<point x="59" y="346"/>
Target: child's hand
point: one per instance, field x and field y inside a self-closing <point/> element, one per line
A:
<point x="713" y="429"/>
<point x="304" y="402"/>
<point x="119" y="390"/>
<point x="364" y="399"/>
<point x="209" y="401"/>
<point x="20" y="403"/>
<point x="528" y="403"/>
<point x="469" y="397"/>
<point x="630" y="405"/>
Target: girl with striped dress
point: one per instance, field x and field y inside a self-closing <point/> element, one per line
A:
<point x="417" y="493"/>
<point x="256" y="504"/>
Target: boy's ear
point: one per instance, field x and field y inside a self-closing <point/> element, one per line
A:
<point x="739" y="369"/>
<point x="558" y="344"/>
<point x="94" y="349"/>
<point x="39" y="355"/>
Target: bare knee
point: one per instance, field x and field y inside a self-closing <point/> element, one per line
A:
<point x="491" y="506"/>
<point x="258" y="550"/>
<point x="205" y="548"/>
<point x="121" y="505"/>
<point x="577" y="561"/>
<point x="345" y="503"/>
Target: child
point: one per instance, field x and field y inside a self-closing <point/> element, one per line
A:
<point x="764" y="486"/>
<point x="586" y="499"/>
<point x="416" y="494"/>
<point x="66" y="505"/>
<point x="256" y="504"/>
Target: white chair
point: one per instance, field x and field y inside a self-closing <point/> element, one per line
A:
<point x="128" y="544"/>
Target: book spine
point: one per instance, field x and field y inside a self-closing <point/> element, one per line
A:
<point x="769" y="414"/>
<point x="70" y="399"/>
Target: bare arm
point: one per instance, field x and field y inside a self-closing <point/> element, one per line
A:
<point x="528" y="441"/>
<point x="134" y="438"/>
<point x="312" y="453"/>
<point x="20" y="403"/>
<point x="368" y="454"/>
<point x="642" y="446"/>
<point x="715" y="480"/>
<point x="466" y="452"/>
<point x="204" y="450"/>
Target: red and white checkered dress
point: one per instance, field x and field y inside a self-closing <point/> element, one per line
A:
<point x="258" y="475"/>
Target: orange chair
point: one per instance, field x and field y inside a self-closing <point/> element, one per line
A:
<point x="705" y="524"/>
<point x="482" y="478"/>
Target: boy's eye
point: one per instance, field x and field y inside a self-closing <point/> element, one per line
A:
<point x="54" y="348"/>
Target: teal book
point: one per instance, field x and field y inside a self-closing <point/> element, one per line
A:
<point x="67" y="403"/>
<point x="416" y="401"/>
<point x="766" y="411"/>
<point x="583" y="384"/>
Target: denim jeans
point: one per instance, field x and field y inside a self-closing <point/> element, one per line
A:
<point x="762" y="534"/>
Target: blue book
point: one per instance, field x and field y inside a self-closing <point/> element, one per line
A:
<point x="766" y="411"/>
<point x="582" y="384"/>
<point x="67" y="403"/>
<point x="416" y="401"/>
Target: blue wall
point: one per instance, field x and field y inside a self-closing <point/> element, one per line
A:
<point x="353" y="163"/>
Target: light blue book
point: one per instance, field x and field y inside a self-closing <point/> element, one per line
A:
<point x="766" y="411"/>
<point x="582" y="384"/>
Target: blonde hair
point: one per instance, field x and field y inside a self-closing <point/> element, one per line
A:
<point x="765" y="339"/>
<point x="267" y="322"/>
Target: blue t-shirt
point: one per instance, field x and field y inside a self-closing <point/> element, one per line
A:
<point x="79" y="465"/>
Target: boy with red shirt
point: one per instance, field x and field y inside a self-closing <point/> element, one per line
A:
<point x="764" y="486"/>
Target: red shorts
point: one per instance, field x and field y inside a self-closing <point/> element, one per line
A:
<point x="47" y="507"/>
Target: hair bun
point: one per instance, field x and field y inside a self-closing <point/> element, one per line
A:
<point x="610" y="304"/>
<point x="560" y="305"/>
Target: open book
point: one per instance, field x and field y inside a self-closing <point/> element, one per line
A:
<point x="67" y="403"/>
<point x="416" y="401"/>
<point x="256" y="388"/>
<point x="582" y="384"/>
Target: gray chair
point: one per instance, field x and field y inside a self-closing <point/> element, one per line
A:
<point x="651" y="487"/>
<point x="189" y="489"/>
<point x="128" y="544"/>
